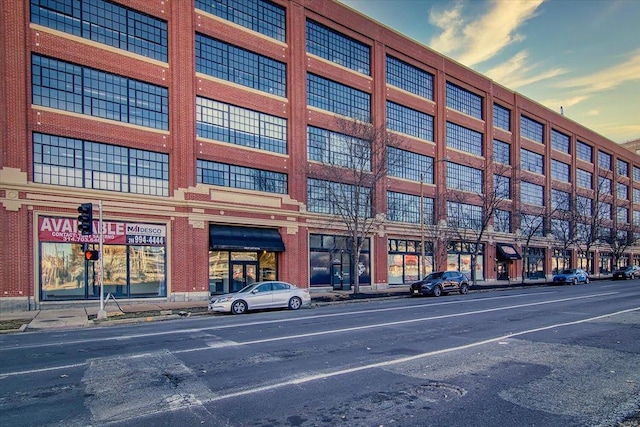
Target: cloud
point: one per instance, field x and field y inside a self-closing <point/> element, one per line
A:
<point x="607" y="78"/>
<point x="485" y="37"/>
<point x="517" y="72"/>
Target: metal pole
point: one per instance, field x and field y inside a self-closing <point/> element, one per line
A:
<point x="422" y="260"/>
<point x="102" y="314"/>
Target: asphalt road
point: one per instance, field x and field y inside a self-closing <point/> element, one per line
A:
<point x="546" y="356"/>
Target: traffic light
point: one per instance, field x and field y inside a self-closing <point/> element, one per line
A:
<point x="91" y="255"/>
<point x="85" y="219"/>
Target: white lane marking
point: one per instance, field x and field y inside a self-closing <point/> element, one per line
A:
<point x="37" y="371"/>
<point x="310" y="378"/>
<point x="335" y="331"/>
<point x="382" y="325"/>
<point x="264" y="322"/>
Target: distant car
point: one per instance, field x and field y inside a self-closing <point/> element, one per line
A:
<point x="272" y="294"/>
<point x="571" y="276"/>
<point x="441" y="282"/>
<point x="628" y="272"/>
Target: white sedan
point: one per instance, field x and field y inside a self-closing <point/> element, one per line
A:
<point x="273" y="294"/>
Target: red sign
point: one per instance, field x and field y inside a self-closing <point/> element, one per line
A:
<point x="56" y="229"/>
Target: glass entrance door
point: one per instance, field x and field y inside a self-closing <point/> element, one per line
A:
<point x="243" y="273"/>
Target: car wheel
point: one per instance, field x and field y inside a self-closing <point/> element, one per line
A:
<point x="239" y="307"/>
<point x="575" y="281"/>
<point x="464" y="289"/>
<point x="586" y="281"/>
<point x="437" y="291"/>
<point x="295" y="303"/>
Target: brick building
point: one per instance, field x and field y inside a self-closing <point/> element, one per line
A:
<point x="188" y="124"/>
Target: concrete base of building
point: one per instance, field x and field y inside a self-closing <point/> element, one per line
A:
<point x="17" y="304"/>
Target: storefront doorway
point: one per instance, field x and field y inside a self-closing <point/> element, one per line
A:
<point x="243" y="273"/>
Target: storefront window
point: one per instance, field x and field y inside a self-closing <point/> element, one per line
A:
<point x="330" y="263"/>
<point x="133" y="257"/>
<point x="606" y="263"/>
<point x="62" y="271"/>
<point x="534" y="263"/>
<point x="459" y="258"/>
<point x="147" y="266"/>
<point x="404" y="261"/>
<point x="268" y="267"/>
<point x="560" y="260"/>
<point x="584" y="263"/>
<point x="218" y="271"/>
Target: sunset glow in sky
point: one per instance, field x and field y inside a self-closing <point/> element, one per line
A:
<point x="583" y="55"/>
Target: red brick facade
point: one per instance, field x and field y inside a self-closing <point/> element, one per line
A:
<point x="191" y="207"/>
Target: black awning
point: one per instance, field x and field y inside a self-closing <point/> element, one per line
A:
<point x="245" y="238"/>
<point x="507" y="252"/>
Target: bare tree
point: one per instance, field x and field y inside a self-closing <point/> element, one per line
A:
<point x="345" y="170"/>
<point x="471" y="208"/>
<point x="593" y="217"/>
<point x="531" y="228"/>
<point x="561" y="224"/>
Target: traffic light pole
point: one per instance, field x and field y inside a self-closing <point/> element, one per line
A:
<point x="102" y="314"/>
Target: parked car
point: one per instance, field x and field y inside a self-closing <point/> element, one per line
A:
<point x="441" y="282"/>
<point x="272" y="294"/>
<point x="628" y="272"/>
<point x="571" y="276"/>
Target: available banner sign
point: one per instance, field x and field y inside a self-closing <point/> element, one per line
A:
<point x="57" y="229"/>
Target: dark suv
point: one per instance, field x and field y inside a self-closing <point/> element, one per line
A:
<point x="441" y="282"/>
<point x="629" y="272"/>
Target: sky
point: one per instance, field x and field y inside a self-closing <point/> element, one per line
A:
<point x="581" y="55"/>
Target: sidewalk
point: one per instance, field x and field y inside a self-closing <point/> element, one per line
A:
<point x="130" y="312"/>
<point x="137" y="311"/>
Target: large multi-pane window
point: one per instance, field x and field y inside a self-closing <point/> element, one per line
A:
<point x="214" y="173"/>
<point x="501" y="117"/>
<point x="622" y="191"/>
<point x="605" y="161"/>
<point x="70" y="87"/>
<point x="584" y="206"/>
<point x="86" y="164"/>
<point x="335" y="47"/>
<point x="604" y="210"/>
<point x="463" y="215"/>
<point x="532" y="225"/>
<point x="560" y="200"/>
<point x="605" y="185"/>
<point x="531" y="194"/>
<point x="561" y="229"/>
<point x="501" y="152"/>
<point x="465" y="178"/>
<point x="464" y="139"/>
<point x="406" y="208"/>
<point x="105" y="22"/>
<point x="502" y="221"/>
<point x="338" y="98"/>
<point x="336" y="198"/>
<point x="560" y="141"/>
<point x="584" y="152"/>
<point x="502" y="186"/>
<point x="258" y="15"/>
<point x="241" y="66"/>
<point x="464" y="101"/>
<point x="560" y="171"/>
<point x="338" y="149"/>
<point x="636" y="174"/>
<point x="532" y="162"/>
<point x="408" y="165"/>
<point x="531" y="129"/>
<point x="584" y="179"/>
<point x="622" y="168"/>
<point x="235" y="125"/>
<point x="636" y="195"/>
<point x="409" y="121"/>
<point x="409" y="78"/>
<point x="622" y="215"/>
